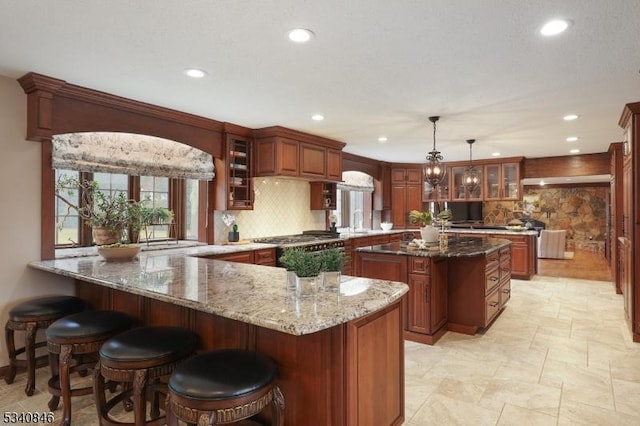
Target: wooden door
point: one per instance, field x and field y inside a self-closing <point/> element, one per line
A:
<point x="417" y="312"/>
<point x="398" y="203"/>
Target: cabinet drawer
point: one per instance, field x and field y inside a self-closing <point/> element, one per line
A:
<point x="380" y="239"/>
<point x="505" y="270"/>
<point x="493" y="259"/>
<point x="505" y="292"/>
<point x="240" y="257"/>
<point x="265" y="257"/>
<point x="492" y="279"/>
<point x="492" y="306"/>
<point x="418" y="265"/>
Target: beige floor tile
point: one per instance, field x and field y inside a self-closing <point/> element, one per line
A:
<point x="514" y="415"/>
<point x="627" y="366"/>
<point x="626" y="396"/>
<point x="417" y="391"/>
<point x="540" y="398"/>
<point x="441" y="410"/>
<point x="574" y="413"/>
<point x="468" y="390"/>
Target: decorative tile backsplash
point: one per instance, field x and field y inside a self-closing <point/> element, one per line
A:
<point x="281" y="207"/>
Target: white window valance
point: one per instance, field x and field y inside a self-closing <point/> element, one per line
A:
<point x="356" y="181"/>
<point x="130" y="154"/>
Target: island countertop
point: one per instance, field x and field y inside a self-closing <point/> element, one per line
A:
<point x="253" y="294"/>
<point x="457" y="247"/>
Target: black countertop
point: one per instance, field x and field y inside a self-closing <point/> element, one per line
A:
<point x="457" y="247"/>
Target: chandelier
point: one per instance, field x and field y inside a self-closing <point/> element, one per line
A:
<point x="471" y="176"/>
<point x="434" y="171"/>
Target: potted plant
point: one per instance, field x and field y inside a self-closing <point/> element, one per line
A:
<point x="109" y="215"/>
<point x="305" y="267"/>
<point x="332" y="261"/>
<point x="428" y="233"/>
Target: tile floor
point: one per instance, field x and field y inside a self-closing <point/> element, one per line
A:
<point x="560" y="354"/>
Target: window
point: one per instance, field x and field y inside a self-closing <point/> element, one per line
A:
<point x="151" y="191"/>
<point x="67" y="220"/>
<point x="353" y="209"/>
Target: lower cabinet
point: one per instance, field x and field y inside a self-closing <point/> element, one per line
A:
<point x="425" y="305"/>
<point x="479" y="287"/>
<point x="265" y="257"/>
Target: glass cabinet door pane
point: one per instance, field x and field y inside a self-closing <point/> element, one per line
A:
<point x="511" y="180"/>
<point x="457" y="183"/>
<point x="476" y="193"/>
<point x="492" y="179"/>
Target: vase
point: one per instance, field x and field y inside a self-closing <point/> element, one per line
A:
<point x="119" y="254"/>
<point x="307" y="286"/>
<point x="331" y="280"/>
<point x="234" y="237"/>
<point x="429" y="234"/>
<point x="103" y="236"/>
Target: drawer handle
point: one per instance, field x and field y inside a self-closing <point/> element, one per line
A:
<point x="493" y="304"/>
<point x="506" y="291"/>
<point x="494" y="278"/>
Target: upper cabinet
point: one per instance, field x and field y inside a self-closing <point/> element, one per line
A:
<point x="284" y="152"/>
<point x="502" y="181"/>
<point x="323" y="195"/>
<point x="234" y="187"/>
<point x="460" y="191"/>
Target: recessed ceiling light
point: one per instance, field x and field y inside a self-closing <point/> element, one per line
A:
<point x="382" y="139"/>
<point x="554" y="27"/>
<point x="300" y="35"/>
<point x="317" y="117"/>
<point x="496" y="154"/>
<point x="572" y="138"/>
<point x="574" y="151"/>
<point x="195" y="73"/>
<point x="570" y="117"/>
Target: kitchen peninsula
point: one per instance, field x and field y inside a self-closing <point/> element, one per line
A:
<point x="340" y="355"/>
<point x="461" y="287"/>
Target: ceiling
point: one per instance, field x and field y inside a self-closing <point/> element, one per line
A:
<point x="374" y="68"/>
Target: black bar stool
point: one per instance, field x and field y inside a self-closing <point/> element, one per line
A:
<point x="31" y="316"/>
<point x="224" y="386"/>
<point x="74" y="342"/>
<point x="142" y="359"/>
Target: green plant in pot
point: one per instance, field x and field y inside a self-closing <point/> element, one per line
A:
<point x="108" y="214"/>
<point x="332" y="261"/>
<point x="305" y="268"/>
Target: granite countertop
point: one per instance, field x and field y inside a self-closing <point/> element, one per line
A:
<point x="457" y="247"/>
<point x="249" y="293"/>
<point x="491" y="231"/>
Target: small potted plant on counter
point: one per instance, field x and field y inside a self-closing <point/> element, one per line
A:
<point x="332" y="262"/>
<point x="428" y="233"/>
<point x="305" y="268"/>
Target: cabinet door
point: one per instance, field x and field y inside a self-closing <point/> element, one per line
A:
<point x="459" y="192"/>
<point x="492" y="178"/>
<point x="241" y="257"/>
<point x="313" y="160"/>
<point x="287" y="151"/>
<point x="414" y="198"/>
<point x="334" y="164"/>
<point x="414" y="176"/>
<point x="511" y="181"/>
<point x="265" y="257"/>
<point x="399" y="201"/>
<point x="418" y="304"/>
<point x="398" y="175"/>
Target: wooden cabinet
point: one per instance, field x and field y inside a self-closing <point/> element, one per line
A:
<point x="382" y="189"/>
<point x="425" y="304"/>
<point x="234" y="187"/>
<point x="442" y="192"/>
<point x="502" y="181"/>
<point x="284" y="152"/>
<point x="323" y="195"/>
<point x="406" y="195"/>
<point x="616" y="209"/>
<point x="523" y="252"/>
<point x="459" y="192"/>
<point x="266" y="257"/>
<point x="475" y="296"/>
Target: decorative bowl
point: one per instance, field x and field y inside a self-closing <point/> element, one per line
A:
<point x="386" y="226"/>
<point x="118" y="253"/>
<point x="515" y="228"/>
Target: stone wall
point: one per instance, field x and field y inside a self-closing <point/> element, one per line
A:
<point x="581" y="211"/>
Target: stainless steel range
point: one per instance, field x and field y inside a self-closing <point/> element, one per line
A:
<point x="313" y="241"/>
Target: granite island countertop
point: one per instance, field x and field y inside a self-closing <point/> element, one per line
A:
<point x="253" y="294"/>
<point x="457" y="247"/>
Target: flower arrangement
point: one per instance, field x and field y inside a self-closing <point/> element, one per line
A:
<point x="422" y="218"/>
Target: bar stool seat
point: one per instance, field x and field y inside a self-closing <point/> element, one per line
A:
<point x="143" y="359"/>
<point x="74" y="342"/>
<point x="224" y="386"/>
<point x="31" y="316"/>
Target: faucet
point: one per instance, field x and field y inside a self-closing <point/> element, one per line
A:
<point x="355" y="213"/>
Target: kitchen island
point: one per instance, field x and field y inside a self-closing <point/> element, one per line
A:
<point x="460" y="288"/>
<point x="340" y="355"/>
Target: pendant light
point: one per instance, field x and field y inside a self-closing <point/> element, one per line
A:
<point x="434" y="170"/>
<point x="471" y="176"/>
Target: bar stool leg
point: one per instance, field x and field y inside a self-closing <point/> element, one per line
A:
<point x="277" y="407"/>
<point x="139" y="397"/>
<point x="11" y="350"/>
<point x="65" y="383"/>
<point x="54" y="382"/>
<point x="30" y="355"/>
